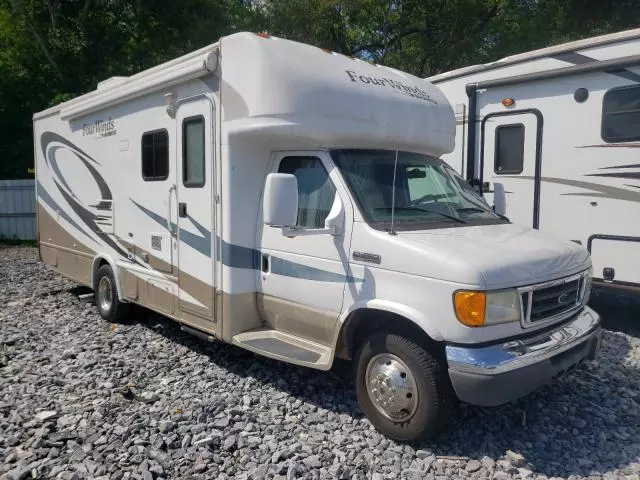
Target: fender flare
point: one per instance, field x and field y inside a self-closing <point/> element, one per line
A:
<point x="411" y="314"/>
<point x="114" y="267"/>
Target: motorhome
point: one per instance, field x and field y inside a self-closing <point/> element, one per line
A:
<point x="558" y="130"/>
<point x="290" y="201"/>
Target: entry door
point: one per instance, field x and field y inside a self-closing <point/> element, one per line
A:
<point x="511" y="155"/>
<point x="195" y="184"/>
<point x="302" y="279"/>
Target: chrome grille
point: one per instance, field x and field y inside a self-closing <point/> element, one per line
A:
<point x="552" y="300"/>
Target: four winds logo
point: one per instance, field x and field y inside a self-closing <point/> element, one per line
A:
<point x="99" y="128"/>
<point x="403" y="88"/>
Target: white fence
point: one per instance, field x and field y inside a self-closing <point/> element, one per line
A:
<point x="18" y="209"/>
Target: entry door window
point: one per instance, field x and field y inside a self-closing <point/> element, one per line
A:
<point x="193" y="165"/>
<point x="509" y="153"/>
<point x="315" y="191"/>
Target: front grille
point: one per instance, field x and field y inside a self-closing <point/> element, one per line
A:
<point x="548" y="301"/>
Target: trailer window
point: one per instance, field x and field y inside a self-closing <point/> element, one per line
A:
<point x="621" y="115"/>
<point x="509" y="153"/>
<point x="315" y="191"/>
<point x="193" y="152"/>
<point x="155" y="155"/>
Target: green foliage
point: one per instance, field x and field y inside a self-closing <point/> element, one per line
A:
<point x="54" y="50"/>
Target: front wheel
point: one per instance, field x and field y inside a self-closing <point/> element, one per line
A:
<point x="402" y="387"/>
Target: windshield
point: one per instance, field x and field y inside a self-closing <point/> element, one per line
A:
<point x="428" y="193"/>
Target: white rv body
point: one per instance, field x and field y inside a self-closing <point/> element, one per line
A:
<point x="575" y="130"/>
<point x="160" y="178"/>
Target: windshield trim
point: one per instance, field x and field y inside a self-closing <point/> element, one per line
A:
<point x="408" y="225"/>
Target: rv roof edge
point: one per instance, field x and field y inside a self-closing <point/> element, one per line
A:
<point x="596" y="66"/>
<point x="128" y="90"/>
<point x="537" y="54"/>
<point x="109" y="87"/>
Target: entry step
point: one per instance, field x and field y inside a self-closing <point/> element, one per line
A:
<point x="283" y="346"/>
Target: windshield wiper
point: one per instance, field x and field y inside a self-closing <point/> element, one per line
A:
<point x="420" y="209"/>
<point x="478" y="209"/>
<point x="473" y="209"/>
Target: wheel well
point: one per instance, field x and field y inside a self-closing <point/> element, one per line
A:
<point x="361" y="323"/>
<point x="96" y="266"/>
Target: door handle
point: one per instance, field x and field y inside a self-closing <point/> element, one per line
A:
<point x="265" y="263"/>
<point x="182" y="209"/>
<point x="169" y="226"/>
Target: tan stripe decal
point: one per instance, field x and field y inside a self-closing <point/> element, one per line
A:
<point x="201" y="291"/>
<point x="52" y="232"/>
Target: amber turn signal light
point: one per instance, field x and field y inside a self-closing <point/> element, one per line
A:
<point x="470" y="307"/>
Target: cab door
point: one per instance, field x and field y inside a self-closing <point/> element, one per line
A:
<point x="194" y="192"/>
<point x="302" y="279"/>
<point x="511" y="149"/>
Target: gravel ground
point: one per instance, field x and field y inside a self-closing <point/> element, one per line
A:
<point x="80" y="398"/>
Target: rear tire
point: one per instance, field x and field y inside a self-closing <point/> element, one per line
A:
<point x="106" y="297"/>
<point x="402" y="387"/>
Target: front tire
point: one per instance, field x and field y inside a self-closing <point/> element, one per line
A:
<point x="106" y="297"/>
<point x="402" y="387"/>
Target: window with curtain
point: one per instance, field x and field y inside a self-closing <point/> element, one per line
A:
<point x="315" y="191"/>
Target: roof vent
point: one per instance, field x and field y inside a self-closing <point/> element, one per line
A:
<point x="111" y="82"/>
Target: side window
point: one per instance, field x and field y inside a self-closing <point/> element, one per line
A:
<point x="509" y="153"/>
<point x="193" y="165"/>
<point x="621" y="115"/>
<point x="315" y="191"/>
<point x="155" y="155"/>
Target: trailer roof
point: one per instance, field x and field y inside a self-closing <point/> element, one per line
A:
<point x="537" y="54"/>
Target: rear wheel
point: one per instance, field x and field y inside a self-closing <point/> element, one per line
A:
<point x="106" y="296"/>
<point x="402" y="387"/>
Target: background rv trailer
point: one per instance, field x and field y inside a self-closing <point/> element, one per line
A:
<point x="559" y="128"/>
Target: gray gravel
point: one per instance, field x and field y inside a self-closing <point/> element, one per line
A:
<point x="80" y="398"/>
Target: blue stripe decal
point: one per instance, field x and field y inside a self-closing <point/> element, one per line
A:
<point x="46" y="198"/>
<point x="237" y="256"/>
<point x="200" y="243"/>
<point x="286" y="268"/>
<point x="56" y="168"/>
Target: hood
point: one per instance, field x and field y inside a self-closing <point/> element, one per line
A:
<point x="499" y="256"/>
<point x="507" y="254"/>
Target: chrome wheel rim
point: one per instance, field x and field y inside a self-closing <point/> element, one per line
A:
<point x="391" y="387"/>
<point x="105" y="298"/>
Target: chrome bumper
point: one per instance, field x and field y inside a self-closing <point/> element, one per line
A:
<point x="506" y="371"/>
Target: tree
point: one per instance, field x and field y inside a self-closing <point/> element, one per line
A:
<point x="53" y="50"/>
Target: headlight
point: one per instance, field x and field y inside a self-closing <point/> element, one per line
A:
<point x="478" y="309"/>
<point x="586" y="296"/>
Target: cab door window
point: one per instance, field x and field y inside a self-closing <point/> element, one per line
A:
<point x="315" y="191"/>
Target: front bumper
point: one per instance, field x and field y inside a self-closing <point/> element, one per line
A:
<point x="503" y="372"/>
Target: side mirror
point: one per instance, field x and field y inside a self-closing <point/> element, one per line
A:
<point x="280" y="207"/>
<point x="499" y="199"/>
